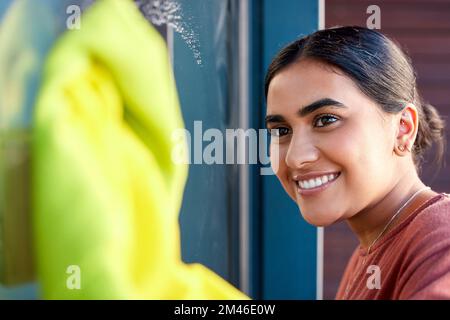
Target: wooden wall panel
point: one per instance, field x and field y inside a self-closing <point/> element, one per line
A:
<point x="422" y="28"/>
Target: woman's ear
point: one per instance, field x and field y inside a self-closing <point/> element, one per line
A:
<point x="408" y="122"/>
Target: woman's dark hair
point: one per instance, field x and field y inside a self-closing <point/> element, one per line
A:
<point x="380" y="69"/>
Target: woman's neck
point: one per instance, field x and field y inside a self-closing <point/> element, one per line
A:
<point x="370" y="222"/>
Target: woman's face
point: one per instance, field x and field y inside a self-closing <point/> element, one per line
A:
<point x="349" y="136"/>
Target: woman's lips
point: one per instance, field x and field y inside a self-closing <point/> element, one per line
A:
<point x="317" y="184"/>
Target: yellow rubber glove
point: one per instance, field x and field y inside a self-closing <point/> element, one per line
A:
<point x="106" y="193"/>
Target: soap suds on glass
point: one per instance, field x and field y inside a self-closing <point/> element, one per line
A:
<point x="170" y="13"/>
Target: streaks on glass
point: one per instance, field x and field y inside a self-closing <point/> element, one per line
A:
<point x="170" y="13"/>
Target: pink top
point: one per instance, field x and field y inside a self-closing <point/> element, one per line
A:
<point x="412" y="261"/>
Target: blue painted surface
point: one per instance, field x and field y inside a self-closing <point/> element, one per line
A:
<point x="255" y="101"/>
<point x="203" y="91"/>
<point x="289" y="243"/>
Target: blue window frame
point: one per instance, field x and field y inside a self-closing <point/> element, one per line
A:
<point x="291" y="248"/>
<point x="240" y="224"/>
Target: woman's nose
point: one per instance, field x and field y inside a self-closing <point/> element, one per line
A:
<point x="301" y="150"/>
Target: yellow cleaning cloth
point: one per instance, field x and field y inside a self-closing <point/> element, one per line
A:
<point x="106" y="193"/>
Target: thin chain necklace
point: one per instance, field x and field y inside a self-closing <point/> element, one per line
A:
<point x="350" y="284"/>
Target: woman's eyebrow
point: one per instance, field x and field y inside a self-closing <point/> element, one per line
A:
<point x="275" y="118"/>
<point x="325" y="102"/>
<point x="322" y="103"/>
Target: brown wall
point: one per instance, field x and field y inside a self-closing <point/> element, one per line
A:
<point x="422" y="27"/>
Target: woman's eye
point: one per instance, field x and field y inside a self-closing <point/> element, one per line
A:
<point x="279" y="132"/>
<point x="326" y="122"/>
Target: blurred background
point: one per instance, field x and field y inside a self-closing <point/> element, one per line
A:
<point x="237" y="222"/>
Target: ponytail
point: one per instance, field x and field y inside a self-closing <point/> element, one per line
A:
<point x="431" y="130"/>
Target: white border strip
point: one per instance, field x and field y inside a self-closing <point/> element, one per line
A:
<point x="244" y="182"/>
<point x="319" y="264"/>
<point x="321" y="4"/>
<point x="320" y="230"/>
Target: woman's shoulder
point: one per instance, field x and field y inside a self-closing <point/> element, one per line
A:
<point x="425" y="254"/>
<point x="431" y="223"/>
<point x="435" y="212"/>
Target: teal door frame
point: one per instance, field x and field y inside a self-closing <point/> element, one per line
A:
<point x="291" y="251"/>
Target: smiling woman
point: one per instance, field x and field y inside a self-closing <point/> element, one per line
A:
<point x="350" y="131"/>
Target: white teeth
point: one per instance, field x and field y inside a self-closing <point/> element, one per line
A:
<point x="317" y="182"/>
